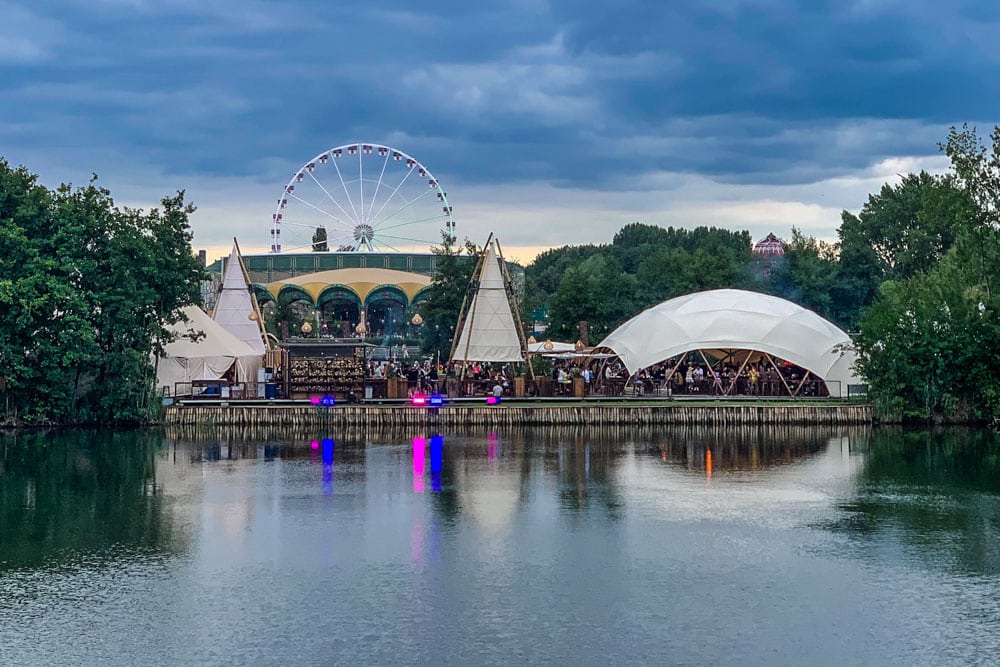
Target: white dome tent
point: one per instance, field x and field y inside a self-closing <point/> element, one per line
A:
<point x="729" y="319"/>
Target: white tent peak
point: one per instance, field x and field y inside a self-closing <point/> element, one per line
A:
<point x="236" y="309"/>
<point x="737" y="319"/>
<point x="489" y="331"/>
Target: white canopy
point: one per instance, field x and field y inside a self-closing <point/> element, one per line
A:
<point x="550" y="346"/>
<point x="206" y="359"/>
<point x="234" y="309"/>
<point x="489" y="332"/>
<point x="737" y="319"/>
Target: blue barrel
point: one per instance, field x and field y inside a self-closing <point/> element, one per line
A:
<point x="271" y="390"/>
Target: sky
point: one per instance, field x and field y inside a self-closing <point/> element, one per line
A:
<point x="547" y="122"/>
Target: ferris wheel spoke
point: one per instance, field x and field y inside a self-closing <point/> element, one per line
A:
<point x="324" y="212"/>
<point x="346" y="191"/>
<point x="406" y="238"/>
<point x="378" y="185"/>
<point x="414" y="222"/>
<point x="391" y="195"/>
<point x="361" y="179"/>
<point x="299" y="247"/>
<point x="331" y="197"/>
<point x="402" y="208"/>
<point x="383" y="243"/>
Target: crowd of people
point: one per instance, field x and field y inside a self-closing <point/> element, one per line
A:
<point x="752" y="379"/>
<point x="428" y="377"/>
<point x="760" y="378"/>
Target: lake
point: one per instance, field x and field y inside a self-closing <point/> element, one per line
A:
<point x="777" y="546"/>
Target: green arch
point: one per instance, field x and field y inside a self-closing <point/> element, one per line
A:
<point x="290" y="293"/>
<point x="422" y="295"/>
<point x="388" y="293"/>
<point x="337" y="293"/>
<point x="260" y="292"/>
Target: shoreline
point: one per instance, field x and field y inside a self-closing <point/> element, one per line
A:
<point x="515" y="413"/>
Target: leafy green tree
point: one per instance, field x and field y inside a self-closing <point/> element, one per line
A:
<point x="925" y="346"/>
<point x="806" y="273"/>
<point x="900" y="231"/>
<point x="448" y="290"/>
<point x="921" y="347"/>
<point x="87" y="291"/>
<point x="543" y="275"/>
<point x="977" y="169"/>
<point x="283" y="310"/>
<point x="595" y="291"/>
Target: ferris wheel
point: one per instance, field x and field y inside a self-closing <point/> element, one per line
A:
<point x="361" y="198"/>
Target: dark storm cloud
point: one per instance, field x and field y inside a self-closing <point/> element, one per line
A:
<point x="581" y="93"/>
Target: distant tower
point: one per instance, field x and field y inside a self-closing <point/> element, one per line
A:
<point x="771" y="246"/>
<point x="767" y="254"/>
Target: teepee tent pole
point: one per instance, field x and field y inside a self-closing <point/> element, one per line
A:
<point x="253" y="296"/>
<point x="516" y="311"/>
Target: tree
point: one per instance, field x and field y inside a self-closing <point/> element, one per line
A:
<point x="926" y="345"/>
<point x="88" y="289"/>
<point x="319" y="240"/>
<point x="806" y="273"/>
<point x="543" y="275"/>
<point x="596" y="291"/>
<point x="900" y="231"/>
<point x="449" y="287"/>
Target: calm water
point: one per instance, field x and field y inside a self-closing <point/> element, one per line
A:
<point x="748" y="547"/>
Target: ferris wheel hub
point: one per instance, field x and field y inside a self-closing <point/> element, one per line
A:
<point x="363" y="234"/>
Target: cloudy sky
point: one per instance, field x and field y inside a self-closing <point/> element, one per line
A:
<point x="549" y="122"/>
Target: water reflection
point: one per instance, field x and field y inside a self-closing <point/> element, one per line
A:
<point x="71" y="495"/>
<point x="936" y="493"/>
<point x="727" y="450"/>
<point x="550" y="544"/>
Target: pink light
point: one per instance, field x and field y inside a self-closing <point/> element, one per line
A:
<point x="314" y="444"/>
<point x="418" y="399"/>
<point x="492" y="400"/>
<point x="314" y="400"/>
<point x="419" y="446"/>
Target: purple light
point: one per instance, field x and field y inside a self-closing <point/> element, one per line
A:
<point x="437" y="400"/>
<point x="418" y="400"/>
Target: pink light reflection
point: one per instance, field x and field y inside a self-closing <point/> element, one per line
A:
<point x="419" y="458"/>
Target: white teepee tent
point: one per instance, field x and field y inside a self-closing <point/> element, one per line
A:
<point x="489" y="331"/>
<point x="235" y="308"/>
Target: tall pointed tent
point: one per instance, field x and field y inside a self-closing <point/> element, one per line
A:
<point x="236" y="309"/>
<point x="489" y="331"/>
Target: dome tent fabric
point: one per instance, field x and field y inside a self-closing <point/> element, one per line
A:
<point x="737" y="319"/>
<point x="208" y="358"/>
